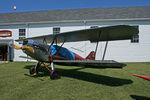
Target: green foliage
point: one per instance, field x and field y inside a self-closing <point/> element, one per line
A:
<point x="76" y="83"/>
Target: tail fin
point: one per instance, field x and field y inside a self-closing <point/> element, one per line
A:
<point x="91" y="56"/>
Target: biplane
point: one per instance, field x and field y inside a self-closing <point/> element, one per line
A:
<point x="38" y="48"/>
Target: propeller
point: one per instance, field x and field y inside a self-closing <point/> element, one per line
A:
<point x="17" y="47"/>
<point x="30" y="49"/>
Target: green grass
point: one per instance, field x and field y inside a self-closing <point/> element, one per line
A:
<point x="76" y="83"/>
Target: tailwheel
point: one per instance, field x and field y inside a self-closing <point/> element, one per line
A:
<point x="32" y="70"/>
<point x="54" y="75"/>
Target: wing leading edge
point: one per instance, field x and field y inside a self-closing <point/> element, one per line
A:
<point x="110" y="33"/>
<point x="91" y="63"/>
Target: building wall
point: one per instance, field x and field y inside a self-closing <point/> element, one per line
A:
<point x="123" y="51"/>
<point x="15" y="35"/>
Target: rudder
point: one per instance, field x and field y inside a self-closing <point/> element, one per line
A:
<point x="91" y="56"/>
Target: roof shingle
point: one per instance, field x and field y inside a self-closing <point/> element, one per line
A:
<point x="77" y="14"/>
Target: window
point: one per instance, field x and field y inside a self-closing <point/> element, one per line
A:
<point x="56" y="30"/>
<point x="135" y="38"/>
<point x="22" y="33"/>
<point x="94" y="26"/>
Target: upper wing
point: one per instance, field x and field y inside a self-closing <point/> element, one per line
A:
<point x="119" y="32"/>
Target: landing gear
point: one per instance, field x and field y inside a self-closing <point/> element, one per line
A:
<point x="54" y="75"/>
<point x="35" y="69"/>
<point x="32" y="70"/>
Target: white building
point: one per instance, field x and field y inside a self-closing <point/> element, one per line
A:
<point x="30" y="24"/>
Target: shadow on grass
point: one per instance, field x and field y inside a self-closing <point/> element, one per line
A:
<point x="86" y="76"/>
<point x="135" y="97"/>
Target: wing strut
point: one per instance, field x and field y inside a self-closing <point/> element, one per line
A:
<point x="61" y="45"/>
<point x="105" y="50"/>
<point x="53" y="73"/>
<point x="44" y="40"/>
<point x="96" y="48"/>
<point x="97" y="43"/>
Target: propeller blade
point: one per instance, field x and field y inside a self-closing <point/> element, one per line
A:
<point x="17" y="47"/>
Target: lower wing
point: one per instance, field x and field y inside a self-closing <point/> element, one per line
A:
<point x="91" y="63"/>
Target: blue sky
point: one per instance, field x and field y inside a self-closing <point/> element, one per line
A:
<point x="37" y="5"/>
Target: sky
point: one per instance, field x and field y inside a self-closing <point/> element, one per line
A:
<point x="6" y="6"/>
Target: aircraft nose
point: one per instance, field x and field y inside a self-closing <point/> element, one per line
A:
<point x="28" y="48"/>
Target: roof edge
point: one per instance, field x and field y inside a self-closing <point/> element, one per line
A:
<point x="70" y="9"/>
<point x="75" y="21"/>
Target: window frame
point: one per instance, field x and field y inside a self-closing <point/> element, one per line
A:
<point x="56" y="30"/>
<point x="135" y="38"/>
<point x="22" y="33"/>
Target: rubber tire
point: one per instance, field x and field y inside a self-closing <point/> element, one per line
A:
<point x="32" y="70"/>
<point x="54" y="75"/>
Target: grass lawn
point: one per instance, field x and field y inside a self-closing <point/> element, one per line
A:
<point x="76" y="83"/>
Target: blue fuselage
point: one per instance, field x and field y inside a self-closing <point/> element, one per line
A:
<point x="42" y="51"/>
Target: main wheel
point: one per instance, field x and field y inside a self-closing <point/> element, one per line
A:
<point x="54" y="75"/>
<point x="32" y="70"/>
